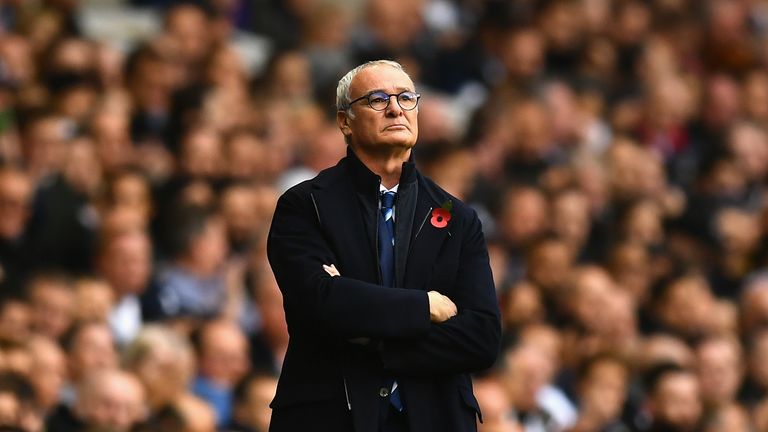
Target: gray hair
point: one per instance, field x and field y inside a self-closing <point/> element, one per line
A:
<point x="342" y="89"/>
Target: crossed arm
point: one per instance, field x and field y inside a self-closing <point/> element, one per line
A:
<point x="422" y="332"/>
<point x="440" y="307"/>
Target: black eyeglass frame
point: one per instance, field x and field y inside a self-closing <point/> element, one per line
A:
<point x="368" y="95"/>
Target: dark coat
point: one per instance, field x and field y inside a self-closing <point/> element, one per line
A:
<point x="328" y="372"/>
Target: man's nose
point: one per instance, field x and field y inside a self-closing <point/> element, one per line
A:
<point x="393" y="109"/>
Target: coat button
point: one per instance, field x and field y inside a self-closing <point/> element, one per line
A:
<point x="383" y="392"/>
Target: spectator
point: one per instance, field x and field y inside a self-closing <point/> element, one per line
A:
<point x="495" y="406"/>
<point x="192" y="284"/>
<point x="222" y="357"/>
<point x="15" y="321"/>
<point x="51" y="301"/>
<point x="602" y="390"/>
<point x="674" y="399"/>
<point x="164" y="363"/>
<point x="89" y="347"/>
<point x="109" y="399"/>
<point x="125" y="262"/>
<point x="253" y="395"/>
<point x="16" y="190"/>
<point x="48" y="372"/>
<point x="94" y="300"/>
<point x="18" y="410"/>
<point x="538" y="405"/>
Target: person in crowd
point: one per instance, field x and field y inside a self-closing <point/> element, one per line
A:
<point x="193" y="285"/>
<point x="18" y="407"/>
<point x="720" y="369"/>
<point x="94" y="299"/>
<point x="252" y="397"/>
<point x="495" y="406"/>
<point x="89" y="347"/>
<point x="124" y="260"/>
<point x="602" y="391"/>
<point x="222" y="359"/>
<point x="51" y="301"/>
<point x="674" y="399"/>
<point x="16" y="193"/>
<point x="164" y="363"/>
<point x="47" y="373"/>
<point x="527" y="372"/>
<point x="108" y="399"/>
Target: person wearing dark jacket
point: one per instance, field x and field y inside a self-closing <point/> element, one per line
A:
<point x="386" y="283"/>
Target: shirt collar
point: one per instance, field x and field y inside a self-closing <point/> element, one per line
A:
<point x="382" y="189"/>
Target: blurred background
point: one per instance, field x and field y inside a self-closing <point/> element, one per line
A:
<point x="616" y="151"/>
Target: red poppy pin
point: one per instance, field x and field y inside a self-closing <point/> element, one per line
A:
<point x="442" y="215"/>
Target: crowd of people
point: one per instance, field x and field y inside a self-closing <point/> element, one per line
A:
<point x="617" y="152"/>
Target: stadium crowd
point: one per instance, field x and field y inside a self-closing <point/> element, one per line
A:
<point x="617" y="152"/>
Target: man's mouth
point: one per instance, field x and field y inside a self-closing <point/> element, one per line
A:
<point x="396" y="127"/>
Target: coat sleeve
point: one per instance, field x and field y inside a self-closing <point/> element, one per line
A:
<point x="333" y="306"/>
<point x="467" y="342"/>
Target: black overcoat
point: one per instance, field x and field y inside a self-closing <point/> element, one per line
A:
<point x="349" y="334"/>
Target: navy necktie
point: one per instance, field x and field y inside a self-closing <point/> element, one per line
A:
<point x="387" y="263"/>
<point x="387" y="239"/>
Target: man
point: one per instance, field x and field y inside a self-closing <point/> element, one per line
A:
<point x="222" y="361"/>
<point x="389" y="305"/>
<point x="252" y="397"/>
<point x="16" y="193"/>
<point x="124" y="260"/>
<point x="674" y="399"/>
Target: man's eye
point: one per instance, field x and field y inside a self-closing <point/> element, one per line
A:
<point x="408" y="97"/>
<point x="377" y="99"/>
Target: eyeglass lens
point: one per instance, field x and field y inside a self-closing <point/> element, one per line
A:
<point x="380" y="100"/>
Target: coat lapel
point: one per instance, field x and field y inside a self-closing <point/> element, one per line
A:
<point x="358" y="252"/>
<point x="407" y="198"/>
<point x="426" y="242"/>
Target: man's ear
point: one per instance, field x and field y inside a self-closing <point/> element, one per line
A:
<point x="342" y="120"/>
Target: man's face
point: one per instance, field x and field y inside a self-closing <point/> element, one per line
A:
<point x="676" y="402"/>
<point x="374" y="131"/>
<point x="15" y="200"/>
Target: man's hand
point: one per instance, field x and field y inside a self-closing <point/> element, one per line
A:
<point x="331" y="270"/>
<point x="440" y="307"/>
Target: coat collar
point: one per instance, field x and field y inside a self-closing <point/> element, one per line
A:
<point x="366" y="180"/>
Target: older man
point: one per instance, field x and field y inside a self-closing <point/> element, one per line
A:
<point x="385" y="278"/>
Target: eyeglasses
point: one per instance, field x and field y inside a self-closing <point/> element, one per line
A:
<point x="379" y="100"/>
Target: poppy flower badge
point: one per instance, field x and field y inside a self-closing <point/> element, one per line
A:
<point x="442" y="215"/>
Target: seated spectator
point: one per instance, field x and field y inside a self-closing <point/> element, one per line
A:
<point x="16" y="190"/>
<point x="253" y="395"/>
<point x="602" y="391"/>
<point x="107" y="399"/>
<point x="89" y="347"/>
<point x="495" y="406"/>
<point x="755" y="386"/>
<point x="673" y="400"/>
<point x="527" y="372"/>
<point x="51" y="302"/>
<point x="269" y="345"/>
<point x="15" y="321"/>
<point x="124" y="260"/>
<point x="720" y="370"/>
<point x="192" y="285"/>
<point x="18" y="408"/>
<point x="164" y="363"/>
<point x="94" y="299"/>
<point x="222" y="359"/>
<point x="47" y="372"/>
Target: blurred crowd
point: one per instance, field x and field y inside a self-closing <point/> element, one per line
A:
<point x="617" y="152"/>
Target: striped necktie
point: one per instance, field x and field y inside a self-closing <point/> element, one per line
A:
<point x="387" y="263"/>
